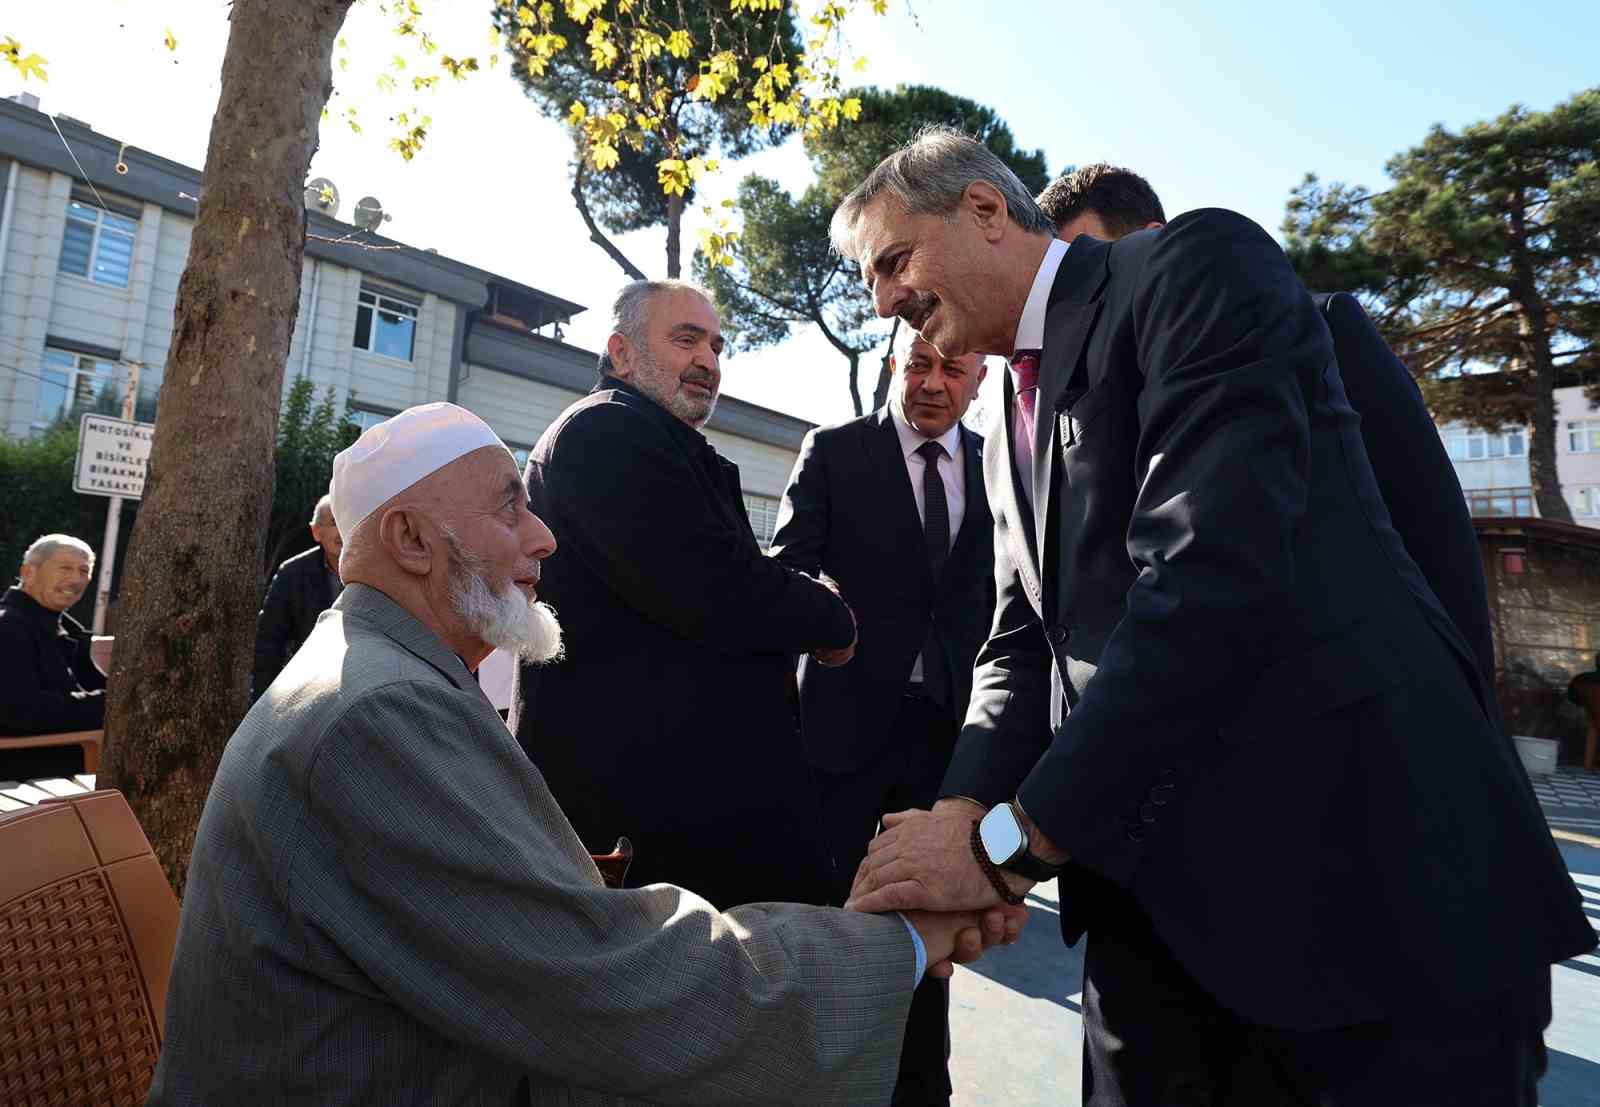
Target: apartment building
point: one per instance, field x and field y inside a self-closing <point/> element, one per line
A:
<point x="1493" y="467"/>
<point x="90" y="261"/>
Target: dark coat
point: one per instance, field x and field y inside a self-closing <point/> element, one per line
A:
<point x="299" y="592"/>
<point x="1419" y="485"/>
<point x="48" y="684"/>
<point x="672" y="718"/>
<point x="1218" y="679"/>
<point x="850" y="512"/>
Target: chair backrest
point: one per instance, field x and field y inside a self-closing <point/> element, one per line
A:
<point x="88" y="739"/>
<point x="87" y="926"/>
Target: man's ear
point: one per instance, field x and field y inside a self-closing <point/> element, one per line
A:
<point x="987" y="208"/>
<point x="400" y="531"/>
<point x="617" y="351"/>
<point x="983" y="371"/>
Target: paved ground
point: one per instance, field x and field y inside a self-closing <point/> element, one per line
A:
<point x="1015" y="1016"/>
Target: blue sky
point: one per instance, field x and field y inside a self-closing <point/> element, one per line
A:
<point x="1221" y="104"/>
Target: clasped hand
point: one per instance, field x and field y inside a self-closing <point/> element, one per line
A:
<point x="922" y="864"/>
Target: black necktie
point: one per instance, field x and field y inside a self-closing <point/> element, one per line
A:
<point x="936" y="530"/>
<point x="935" y="508"/>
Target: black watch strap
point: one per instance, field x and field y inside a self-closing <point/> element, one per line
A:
<point x="1026" y="864"/>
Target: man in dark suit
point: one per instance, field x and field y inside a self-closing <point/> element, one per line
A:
<point x="303" y="588"/>
<point x="1219" y="699"/>
<point x="891" y="507"/>
<point x="672" y="718"/>
<point x="1419" y="485"/>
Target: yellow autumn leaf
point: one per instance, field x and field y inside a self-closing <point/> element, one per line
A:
<point x="576" y="113"/>
<point x="171" y="41"/>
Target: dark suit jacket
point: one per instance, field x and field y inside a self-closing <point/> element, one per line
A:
<point x="672" y="719"/>
<point x="299" y="592"/>
<point x="1419" y="485"/>
<point x="850" y="512"/>
<point x="1217" y="678"/>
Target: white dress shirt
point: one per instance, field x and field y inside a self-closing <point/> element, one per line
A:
<point x="1030" y="336"/>
<point x="952" y="470"/>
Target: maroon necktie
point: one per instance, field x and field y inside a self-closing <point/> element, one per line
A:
<point x="1025" y="366"/>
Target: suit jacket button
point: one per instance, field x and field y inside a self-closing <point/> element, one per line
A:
<point x="1057" y="634"/>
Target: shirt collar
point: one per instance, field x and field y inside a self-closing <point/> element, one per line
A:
<point x="912" y="439"/>
<point x="1030" y="331"/>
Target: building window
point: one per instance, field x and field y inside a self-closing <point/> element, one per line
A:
<point x="1500" y="501"/>
<point x="75" y="384"/>
<point x="1583" y="436"/>
<point x="1471" y="444"/>
<point x="386" y="324"/>
<point x="1587" y="503"/>
<point x="98" y="245"/>
<point x="367" y="417"/>
<point x="763" y="513"/>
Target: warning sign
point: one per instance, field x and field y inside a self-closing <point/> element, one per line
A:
<point x="112" y="457"/>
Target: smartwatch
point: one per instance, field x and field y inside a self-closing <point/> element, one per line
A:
<point x="1005" y="843"/>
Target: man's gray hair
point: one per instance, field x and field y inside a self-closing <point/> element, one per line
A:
<point x="929" y="175"/>
<point x="322" y="514"/>
<point x="633" y="304"/>
<point x="47" y="546"/>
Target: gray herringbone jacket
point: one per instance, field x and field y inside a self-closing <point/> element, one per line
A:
<point x="386" y="906"/>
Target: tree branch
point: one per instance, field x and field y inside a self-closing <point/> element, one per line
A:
<point x="595" y="234"/>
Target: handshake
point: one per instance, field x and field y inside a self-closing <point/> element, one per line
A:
<point x="923" y="866"/>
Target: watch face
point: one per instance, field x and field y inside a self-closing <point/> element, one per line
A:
<point x="1001" y="835"/>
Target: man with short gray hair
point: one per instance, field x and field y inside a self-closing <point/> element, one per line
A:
<point x="1219" y="700"/>
<point x="672" y="718"/>
<point x="48" y="683"/>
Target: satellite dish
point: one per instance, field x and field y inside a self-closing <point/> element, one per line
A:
<point x="370" y="214"/>
<point x="321" y="195"/>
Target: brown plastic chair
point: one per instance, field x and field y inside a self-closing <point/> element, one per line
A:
<point x="88" y="739"/>
<point x="87" y="926"/>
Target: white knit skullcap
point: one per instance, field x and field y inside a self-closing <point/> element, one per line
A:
<point x="397" y="453"/>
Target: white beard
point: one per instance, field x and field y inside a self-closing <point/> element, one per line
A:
<point x="508" y="620"/>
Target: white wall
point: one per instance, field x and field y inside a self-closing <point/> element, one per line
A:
<point x="518" y="409"/>
<point x="763" y="469"/>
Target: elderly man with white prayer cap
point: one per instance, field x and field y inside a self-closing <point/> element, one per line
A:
<point x="386" y="905"/>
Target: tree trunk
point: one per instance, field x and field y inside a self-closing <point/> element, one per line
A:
<point x="855" y="382"/>
<point x="1534" y="331"/>
<point x="1542" y="434"/>
<point x="880" y="391"/>
<point x="674" y="236"/>
<point x="187" y="613"/>
<point x="596" y="235"/>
